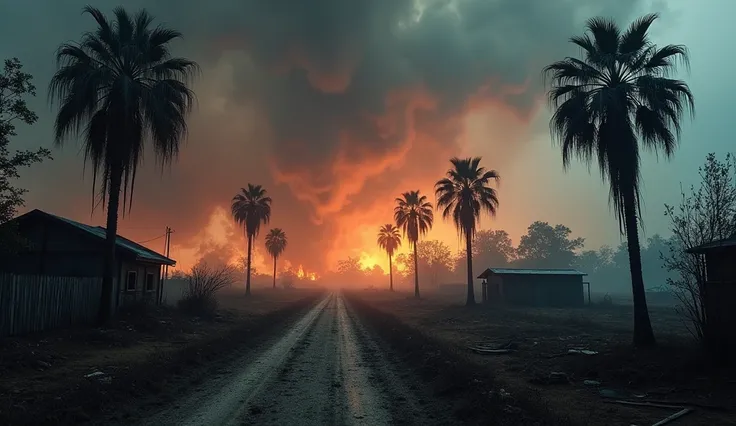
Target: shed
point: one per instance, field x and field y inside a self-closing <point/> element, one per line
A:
<point x="534" y="287"/>
<point x="720" y="292"/>
<point x="57" y="246"/>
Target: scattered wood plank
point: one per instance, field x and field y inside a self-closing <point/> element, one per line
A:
<point x="675" y="416"/>
<point x="643" y="404"/>
<point x="489" y="351"/>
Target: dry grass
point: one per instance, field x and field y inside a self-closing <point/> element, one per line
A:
<point x="674" y="371"/>
<point x="36" y="366"/>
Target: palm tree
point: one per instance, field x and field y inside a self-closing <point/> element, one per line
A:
<point x="413" y="214"/>
<point x="464" y="194"/>
<point x="119" y="89"/>
<point x="615" y="98"/>
<point x="250" y="208"/>
<point x="389" y="240"/>
<point x="275" y="244"/>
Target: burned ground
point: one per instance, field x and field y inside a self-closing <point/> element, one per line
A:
<point x="145" y="356"/>
<point x="537" y="369"/>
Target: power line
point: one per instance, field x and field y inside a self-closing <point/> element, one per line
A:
<point x="152" y="239"/>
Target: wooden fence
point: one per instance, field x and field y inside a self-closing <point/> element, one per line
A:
<point x="30" y="303"/>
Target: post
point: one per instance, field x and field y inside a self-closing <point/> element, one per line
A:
<point x="165" y="269"/>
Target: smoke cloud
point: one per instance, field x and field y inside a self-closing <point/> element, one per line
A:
<point x="334" y="106"/>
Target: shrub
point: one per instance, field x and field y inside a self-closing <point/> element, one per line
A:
<point x="203" y="284"/>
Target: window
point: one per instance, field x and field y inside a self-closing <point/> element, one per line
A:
<point x="149" y="282"/>
<point x="130" y="284"/>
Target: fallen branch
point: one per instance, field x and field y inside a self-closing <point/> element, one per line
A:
<point x="677" y="415"/>
<point x="643" y="404"/>
<point x="489" y="351"/>
<point x="690" y="404"/>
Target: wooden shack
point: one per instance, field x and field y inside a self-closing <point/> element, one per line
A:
<point x="534" y="287"/>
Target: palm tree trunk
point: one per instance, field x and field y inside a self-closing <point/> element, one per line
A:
<point x="416" y="272"/>
<point x="247" y="272"/>
<point x="390" y="274"/>
<point x="643" y="334"/>
<point x="105" y="309"/>
<point x="274" y="272"/>
<point x="470" y="301"/>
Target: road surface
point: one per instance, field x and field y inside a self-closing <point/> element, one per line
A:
<point x="325" y="370"/>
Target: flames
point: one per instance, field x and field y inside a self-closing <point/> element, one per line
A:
<point x="311" y="276"/>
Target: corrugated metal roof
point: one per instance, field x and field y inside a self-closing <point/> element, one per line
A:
<point x="728" y="242"/>
<point x="141" y="252"/>
<point x="529" y="271"/>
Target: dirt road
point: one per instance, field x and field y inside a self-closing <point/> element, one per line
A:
<point x="326" y="370"/>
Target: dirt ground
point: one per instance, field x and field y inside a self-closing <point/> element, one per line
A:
<point x="579" y="387"/>
<point x="60" y="367"/>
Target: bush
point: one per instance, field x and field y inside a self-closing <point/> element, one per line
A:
<point x="203" y="284"/>
<point x="606" y="302"/>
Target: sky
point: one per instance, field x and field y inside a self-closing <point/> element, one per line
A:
<point x="336" y="107"/>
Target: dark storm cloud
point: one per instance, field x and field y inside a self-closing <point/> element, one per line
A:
<point x="342" y="84"/>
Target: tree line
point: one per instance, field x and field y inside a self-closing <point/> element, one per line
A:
<point x="543" y="246"/>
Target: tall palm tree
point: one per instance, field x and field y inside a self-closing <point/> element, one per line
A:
<point x="463" y="195"/>
<point x="275" y="245"/>
<point x="389" y="240"/>
<point x="413" y="214"/>
<point x="615" y="98"/>
<point x="250" y="208"/>
<point x="119" y="89"/>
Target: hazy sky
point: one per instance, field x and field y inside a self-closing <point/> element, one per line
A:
<point x="338" y="106"/>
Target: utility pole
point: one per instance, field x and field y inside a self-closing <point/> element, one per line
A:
<point x="165" y="272"/>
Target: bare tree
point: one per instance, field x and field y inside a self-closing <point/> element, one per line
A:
<point x="204" y="283"/>
<point x="705" y="214"/>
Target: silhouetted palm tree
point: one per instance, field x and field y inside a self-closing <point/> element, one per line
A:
<point x="275" y="244"/>
<point x="118" y="89"/>
<point x="389" y="240"/>
<point x="607" y="103"/>
<point x="250" y="208"/>
<point x="413" y="214"/>
<point x="463" y="195"/>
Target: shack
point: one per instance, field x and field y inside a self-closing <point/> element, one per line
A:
<point x="60" y="247"/>
<point x="718" y="294"/>
<point x="534" y="287"/>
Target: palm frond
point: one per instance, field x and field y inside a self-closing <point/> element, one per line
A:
<point x="122" y="71"/>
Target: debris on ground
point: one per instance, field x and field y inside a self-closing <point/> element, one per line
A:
<point x="675" y="416"/>
<point x="618" y="394"/>
<point x="99" y="376"/>
<point x="591" y="383"/>
<point x="494" y="349"/>
<point x="574" y="351"/>
<point x="554" y="378"/>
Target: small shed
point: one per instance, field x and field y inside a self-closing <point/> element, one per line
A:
<point x="720" y="292"/>
<point x="61" y="247"/>
<point x="534" y="287"/>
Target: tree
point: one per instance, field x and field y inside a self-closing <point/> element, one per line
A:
<point x="275" y="245"/>
<point x="463" y="195"/>
<point x="617" y="96"/>
<point x="491" y="248"/>
<point x="350" y="271"/>
<point x="545" y="246"/>
<point x="118" y="89"/>
<point x="413" y="214"/>
<point x="389" y="240"/>
<point x="706" y="214"/>
<point x="15" y="86"/>
<point x="250" y="208"/>
<point x="435" y="258"/>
